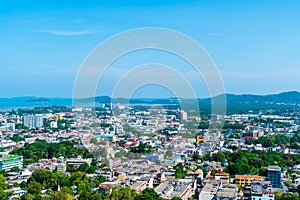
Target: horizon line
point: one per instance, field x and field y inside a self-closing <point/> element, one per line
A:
<point x="238" y="94"/>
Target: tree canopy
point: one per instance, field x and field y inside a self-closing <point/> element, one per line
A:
<point x="40" y="149"/>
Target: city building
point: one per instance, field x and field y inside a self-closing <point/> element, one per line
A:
<point x="200" y="138"/>
<point x="10" y="126"/>
<point x="16" y="192"/>
<point x="227" y="192"/>
<point x="139" y="186"/>
<point x="262" y="190"/>
<point x="33" y="121"/>
<point x="223" y="177"/>
<point x="78" y="161"/>
<point x="245" y="180"/>
<point x="274" y="175"/>
<point x="265" y="195"/>
<point x="9" y="161"/>
<point x="181" y="115"/>
<point x="154" y="157"/>
<point x="115" y="162"/>
<point x="53" y="124"/>
<point x="61" y="167"/>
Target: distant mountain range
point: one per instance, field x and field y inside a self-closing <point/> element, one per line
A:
<point x="285" y="97"/>
<point x="235" y="103"/>
<point x="38" y="100"/>
<point x="281" y="98"/>
<point x="246" y="102"/>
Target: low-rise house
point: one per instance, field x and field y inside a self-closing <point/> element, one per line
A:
<point x="227" y="192"/>
<point x="78" y="161"/>
<point x="245" y="180"/>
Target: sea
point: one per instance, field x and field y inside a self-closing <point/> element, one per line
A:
<point x="7" y="104"/>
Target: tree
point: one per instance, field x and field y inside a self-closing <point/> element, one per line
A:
<point x="16" y="184"/>
<point x="219" y="157"/>
<point x="120" y="193"/>
<point x="294" y="145"/>
<point x="27" y="197"/>
<point x="142" y="148"/>
<point x="94" y="141"/>
<point x="203" y="125"/>
<point x="64" y="181"/>
<point x="250" y="141"/>
<point x="176" y="198"/>
<point x="295" y="138"/>
<point x="213" y="172"/>
<point x="83" y="167"/>
<point x="34" y="188"/>
<point x="67" y="190"/>
<point x="84" y="190"/>
<point x="265" y="141"/>
<point x="169" y="153"/>
<point x="280" y="140"/>
<point x="3" y="185"/>
<point x="234" y="169"/>
<point x="286" y="196"/>
<point x="23" y="185"/>
<point x="288" y="183"/>
<point x="99" y="179"/>
<point x="43" y="150"/>
<point x="180" y="171"/>
<point x="92" y="169"/>
<point x="17" y="138"/>
<point x="58" y="195"/>
<point x="195" y="157"/>
<point x="76" y="178"/>
<point x="15" y="169"/>
<point x="41" y="175"/>
<point x="148" y="194"/>
<point x="95" y="196"/>
<point x="256" y="162"/>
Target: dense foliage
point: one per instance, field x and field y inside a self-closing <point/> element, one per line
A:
<point x="42" y="150"/>
<point x="44" y="179"/>
<point x="3" y="186"/>
<point x="180" y="171"/>
<point x="253" y="162"/>
<point x="142" y="148"/>
<point x="286" y="196"/>
<point x="277" y="140"/>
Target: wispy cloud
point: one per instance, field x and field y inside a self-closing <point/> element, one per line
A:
<point x="61" y="32"/>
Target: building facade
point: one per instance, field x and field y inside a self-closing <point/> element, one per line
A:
<point x="33" y="121"/>
<point x="79" y="161"/>
<point x="245" y="180"/>
<point x="274" y="175"/>
<point x="9" y="161"/>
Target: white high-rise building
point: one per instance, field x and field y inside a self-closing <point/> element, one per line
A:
<point x="53" y="124"/>
<point x="33" y="121"/>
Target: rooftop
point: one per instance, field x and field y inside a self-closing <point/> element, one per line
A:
<point x="273" y="168"/>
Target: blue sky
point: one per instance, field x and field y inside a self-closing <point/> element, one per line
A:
<point x="255" y="44"/>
